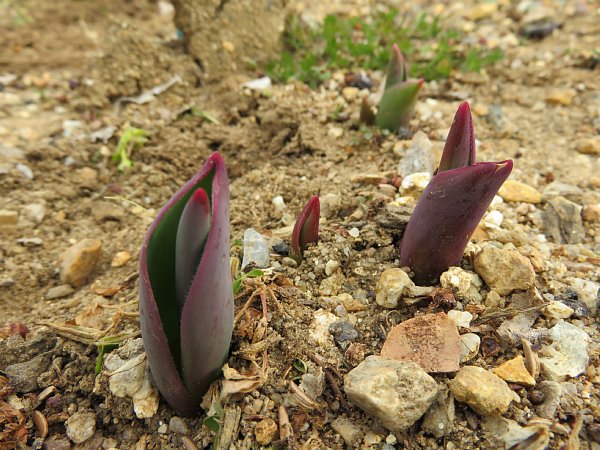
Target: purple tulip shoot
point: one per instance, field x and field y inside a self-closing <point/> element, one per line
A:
<point x="399" y="96"/>
<point x="186" y="296"/>
<point x="306" y="228"/>
<point x="452" y="204"/>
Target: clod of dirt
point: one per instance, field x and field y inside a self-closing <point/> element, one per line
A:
<point x="224" y="35"/>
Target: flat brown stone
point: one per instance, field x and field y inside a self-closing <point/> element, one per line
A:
<point x="432" y="341"/>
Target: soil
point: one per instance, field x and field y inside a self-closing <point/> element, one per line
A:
<point x="73" y="61"/>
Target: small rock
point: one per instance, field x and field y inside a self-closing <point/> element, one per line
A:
<point x="562" y="221"/>
<point x="461" y="319"/>
<point x="64" y="290"/>
<point x="355" y="353"/>
<point x="289" y="262"/>
<point x="177" y="425"/>
<point x="319" y="327"/>
<point x="589" y="293"/>
<point x="81" y="426"/>
<point x="278" y="203"/>
<point x="330" y="205"/>
<point x="514" y="371"/>
<point x="25" y="170"/>
<point x="415" y="183"/>
<point x="350" y="93"/>
<point x="589" y="146"/>
<point x="354" y="232"/>
<point x="515" y="191"/>
<point x="56" y="443"/>
<point x="483" y="391"/>
<point x="568" y="354"/>
<point x="120" y="259"/>
<point x="335" y="132"/>
<point x="557" y="310"/>
<point x="86" y="175"/>
<point x="343" y="333"/>
<point x="551" y="392"/>
<point x="146" y="399"/>
<point x="30" y="242"/>
<point x="256" y="250"/>
<point x="103" y="211"/>
<point x="439" y="418"/>
<point x="330" y="267"/>
<point x="390" y="287"/>
<point x="469" y="346"/>
<point x="481" y="11"/>
<point x="418" y="157"/>
<point x="35" y="212"/>
<point x="332" y="284"/>
<point x="504" y="270"/>
<point x="265" y="431"/>
<point x="349" y="432"/>
<point x="8" y="219"/>
<point x="79" y="261"/>
<point x="493" y="219"/>
<point x="163" y="428"/>
<point x="562" y="97"/>
<point x="432" y="341"/>
<point x="396" y="392"/>
<point x="23" y="376"/>
<point x="127" y="379"/>
<point x="591" y="213"/>
<point x="351" y="304"/>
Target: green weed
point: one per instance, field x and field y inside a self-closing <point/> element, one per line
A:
<point x="132" y="138"/>
<point x="313" y="53"/>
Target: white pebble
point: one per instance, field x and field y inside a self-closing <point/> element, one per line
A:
<point x="493" y="219"/>
<point x="278" y="203"/>
<point x="354" y="232"/>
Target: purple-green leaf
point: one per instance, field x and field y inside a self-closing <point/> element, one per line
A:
<point x="397" y="71"/>
<point x="397" y="105"/>
<point x="306" y="228"/>
<point x="452" y="204"/>
<point x="187" y="338"/>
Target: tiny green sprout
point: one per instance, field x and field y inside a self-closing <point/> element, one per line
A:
<point x="214" y="420"/>
<point x="196" y="112"/>
<point x="300" y="365"/>
<point x="132" y="138"/>
<point x="237" y="283"/>
<point x="106" y="345"/>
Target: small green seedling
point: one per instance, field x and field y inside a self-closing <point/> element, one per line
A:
<point x="106" y="345"/>
<point x="237" y="283"/>
<point x="132" y="138"/>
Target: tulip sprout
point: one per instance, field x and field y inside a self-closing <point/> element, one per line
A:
<point x="452" y="204"/>
<point x="306" y="228"/>
<point x="186" y="299"/>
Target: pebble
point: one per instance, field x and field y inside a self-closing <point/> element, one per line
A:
<point x="278" y="203"/>
<point x="127" y="378"/>
<point x="61" y="291"/>
<point x="562" y="221"/>
<point x="8" y="219"/>
<point x="81" y="426"/>
<point x="86" y="175"/>
<point x="459" y="280"/>
<point x="396" y="392"/>
<point x="439" y="418"/>
<point x="350" y="93"/>
<point x="335" y="132"/>
<point x="354" y="232"/>
<point x="588" y="292"/>
<point x="589" y="146"/>
<point x="567" y="356"/>
<point x="103" y="211"/>
<point x="415" y="183"/>
<point x="390" y="287"/>
<point x="163" y="428"/>
<point x="30" y="242"/>
<point x="551" y="392"/>
<point x="120" y="259"/>
<point x="431" y="341"/>
<point x="343" y="333"/>
<point x="562" y="97"/>
<point x="177" y="425"/>
<point x="514" y="371"/>
<point x="35" y="212"/>
<point x="349" y="432"/>
<point x="418" y="158"/>
<point x="256" y="250"/>
<point x="330" y="205"/>
<point x="504" y="270"/>
<point x="591" y="213"/>
<point x="469" y="346"/>
<point x="461" y="319"/>
<point x="79" y="261"/>
<point x="25" y="170"/>
<point x="493" y="219"/>
<point x="483" y="391"/>
<point x="330" y="267"/>
<point x="289" y="262"/>
<point x="24" y="375"/>
<point x="265" y="431"/>
<point x="557" y="310"/>
<point x="481" y="11"/>
<point x="515" y="191"/>
<point x="319" y="327"/>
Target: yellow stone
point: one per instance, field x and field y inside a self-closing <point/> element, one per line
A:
<point x="515" y="191"/>
<point x="482" y="10"/>
<point x="561" y="97"/>
<point x="514" y="371"/>
<point x="120" y="259"/>
<point x="589" y="146"/>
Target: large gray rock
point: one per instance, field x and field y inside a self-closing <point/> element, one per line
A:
<point x="568" y="355"/>
<point x="396" y="392"/>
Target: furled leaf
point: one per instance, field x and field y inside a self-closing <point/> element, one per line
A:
<point x="448" y="212"/>
<point x="306" y="228"/>
<point x="397" y="105"/>
<point x="397" y="71"/>
<point x="459" y="150"/>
